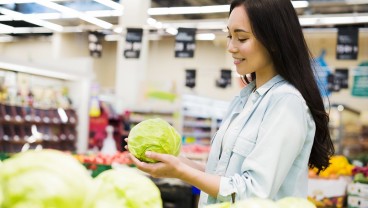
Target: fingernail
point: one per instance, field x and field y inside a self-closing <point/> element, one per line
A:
<point x="148" y="153"/>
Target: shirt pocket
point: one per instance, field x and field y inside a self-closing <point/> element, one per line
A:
<point x="243" y="146"/>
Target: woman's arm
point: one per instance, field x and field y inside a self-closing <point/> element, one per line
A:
<point x="191" y="163"/>
<point x="175" y="167"/>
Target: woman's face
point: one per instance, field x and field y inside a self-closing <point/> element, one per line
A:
<point x="248" y="53"/>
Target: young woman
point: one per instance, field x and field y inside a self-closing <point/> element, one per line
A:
<point x="276" y="128"/>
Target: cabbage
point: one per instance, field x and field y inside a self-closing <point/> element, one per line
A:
<point x="255" y="203"/>
<point x="154" y="135"/>
<point x="291" y="202"/>
<point x="123" y="188"/>
<point x="43" y="179"/>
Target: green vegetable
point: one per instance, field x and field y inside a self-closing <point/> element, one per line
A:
<point x="292" y="202"/>
<point x="154" y="135"/>
<point x="43" y="179"/>
<point x="124" y="188"/>
<point x="255" y="203"/>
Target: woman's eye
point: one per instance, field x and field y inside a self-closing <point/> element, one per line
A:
<point x="242" y="40"/>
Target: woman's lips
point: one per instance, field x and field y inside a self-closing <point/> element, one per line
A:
<point x="238" y="61"/>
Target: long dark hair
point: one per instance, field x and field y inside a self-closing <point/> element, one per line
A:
<point x="276" y="25"/>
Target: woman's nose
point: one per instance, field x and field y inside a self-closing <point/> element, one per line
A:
<point x="231" y="47"/>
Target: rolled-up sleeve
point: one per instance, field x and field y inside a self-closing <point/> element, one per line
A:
<point x="281" y="136"/>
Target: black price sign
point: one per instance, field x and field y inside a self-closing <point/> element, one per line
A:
<point x="185" y="43"/>
<point x="133" y="43"/>
<point x="347" y="44"/>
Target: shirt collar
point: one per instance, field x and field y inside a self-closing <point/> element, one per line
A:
<point x="264" y="88"/>
<point x="247" y="89"/>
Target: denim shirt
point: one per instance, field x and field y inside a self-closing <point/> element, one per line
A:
<point x="267" y="148"/>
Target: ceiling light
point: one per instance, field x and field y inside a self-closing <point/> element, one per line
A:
<point x="111" y="4"/>
<point x="205" y="36"/>
<point x="31" y="19"/>
<point x="36" y="70"/>
<point x="313" y="20"/>
<point x="354" y="2"/>
<point x="300" y="4"/>
<point x="67" y="10"/>
<point x="188" y="10"/>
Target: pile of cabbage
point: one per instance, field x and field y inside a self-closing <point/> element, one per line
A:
<point x="155" y="135"/>
<point x="287" y="202"/>
<point x="50" y="178"/>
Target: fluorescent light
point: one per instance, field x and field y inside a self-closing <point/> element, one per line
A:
<point x="205" y="36"/>
<point x="313" y="20"/>
<point x="300" y="4"/>
<point x="67" y="10"/>
<point x="355" y="2"/>
<point x="31" y="19"/>
<point x="38" y="71"/>
<point x="188" y="10"/>
<point x="111" y="4"/>
<point x="15" y="1"/>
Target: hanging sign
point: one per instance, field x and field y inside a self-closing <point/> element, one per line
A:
<point x="133" y="43"/>
<point x="225" y="78"/>
<point x="347" y="43"/>
<point x="94" y="45"/>
<point x="360" y="84"/>
<point x="185" y="43"/>
<point x="343" y="76"/>
<point x="190" y="78"/>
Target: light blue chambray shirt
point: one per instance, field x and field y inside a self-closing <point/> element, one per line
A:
<point x="265" y="151"/>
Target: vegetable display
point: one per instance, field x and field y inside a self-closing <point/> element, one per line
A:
<point x="124" y="188"/>
<point x="47" y="178"/>
<point x="155" y="135"/>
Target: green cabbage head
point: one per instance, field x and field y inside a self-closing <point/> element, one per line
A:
<point x="124" y="188"/>
<point x="43" y="179"/>
<point x="155" y="135"/>
<point x="291" y="202"/>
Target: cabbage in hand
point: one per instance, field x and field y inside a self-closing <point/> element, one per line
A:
<point x="43" y="179"/>
<point x="155" y="135"/>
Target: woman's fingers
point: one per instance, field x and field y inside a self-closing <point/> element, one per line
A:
<point x="157" y="156"/>
<point x="126" y="146"/>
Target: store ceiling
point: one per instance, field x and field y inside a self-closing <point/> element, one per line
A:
<point x="26" y="17"/>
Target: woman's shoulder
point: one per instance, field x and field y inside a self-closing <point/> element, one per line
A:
<point x="286" y="91"/>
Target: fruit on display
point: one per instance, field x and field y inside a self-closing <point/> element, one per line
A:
<point x="339" y="166"/>
<point x="155" y="135"/>
<point x="123" y="187"/>
<point x="360" y="174"/>
<point x="44" y="178"/>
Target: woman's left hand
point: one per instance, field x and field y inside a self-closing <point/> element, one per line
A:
<point x="169" y="166"/>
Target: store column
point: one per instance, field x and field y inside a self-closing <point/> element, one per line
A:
<point x="130" y="72"/>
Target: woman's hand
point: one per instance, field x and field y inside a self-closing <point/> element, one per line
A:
<point x="168" y="166"/>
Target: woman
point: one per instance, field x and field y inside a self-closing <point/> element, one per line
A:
<point x="276" y="128"/>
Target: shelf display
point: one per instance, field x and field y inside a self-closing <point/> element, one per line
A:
<point x="201" y="118"/>
<point x="25" y="126"/>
